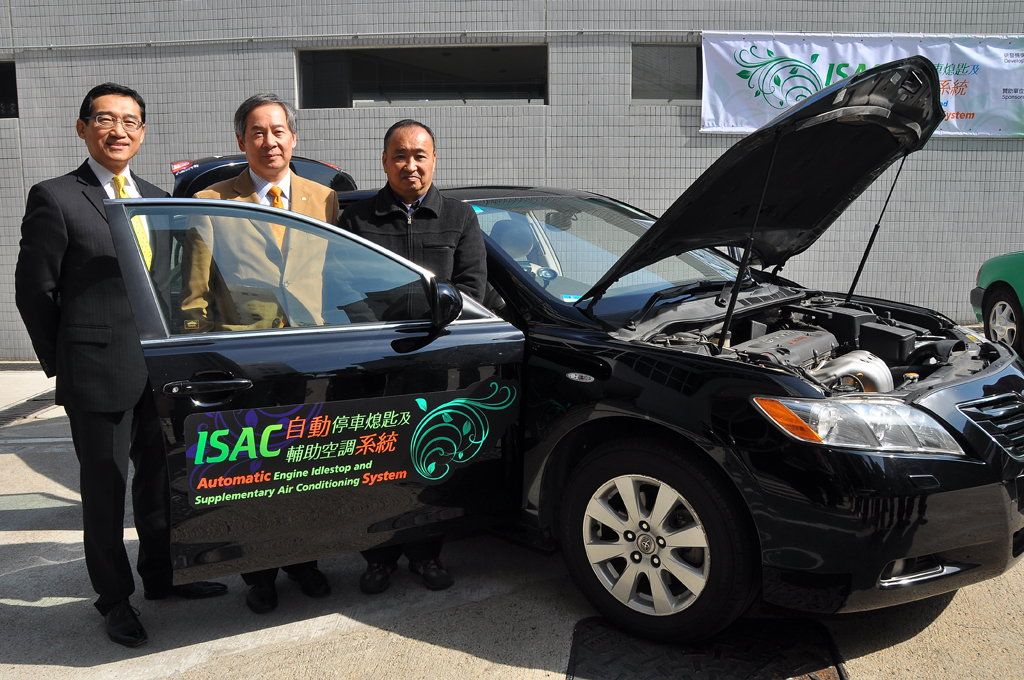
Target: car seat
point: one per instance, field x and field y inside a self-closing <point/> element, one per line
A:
<point x="515" y="238"/>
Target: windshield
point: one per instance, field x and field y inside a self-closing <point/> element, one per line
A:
<point x="566" y="243"/>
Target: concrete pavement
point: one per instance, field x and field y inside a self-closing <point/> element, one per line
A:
<point x="510" y="615"/>
<point x="20" y="381"/>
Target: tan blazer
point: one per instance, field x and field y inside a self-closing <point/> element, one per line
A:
<point x="237" y="278"/>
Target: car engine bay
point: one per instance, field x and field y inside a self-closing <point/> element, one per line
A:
<point x="845" y="347"/>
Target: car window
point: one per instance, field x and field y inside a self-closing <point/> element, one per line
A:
<point x="569" y="242"/>
<point x="519" y="236"/>
<point x="228" y="268"/>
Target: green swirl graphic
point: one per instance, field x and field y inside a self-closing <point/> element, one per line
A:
<point x="454" y="432"/>
<point x="781" y="81"/>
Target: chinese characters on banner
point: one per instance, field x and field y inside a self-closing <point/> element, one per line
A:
<point x="750" y="78"/>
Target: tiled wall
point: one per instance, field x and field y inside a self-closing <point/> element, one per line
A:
<point x="959" y="201"/>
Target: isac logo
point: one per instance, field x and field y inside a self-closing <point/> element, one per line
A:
<point x="781" y="81"/>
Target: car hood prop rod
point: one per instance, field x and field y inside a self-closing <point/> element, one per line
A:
<point x="874" y="232"/>
<point x="745" y="261"/>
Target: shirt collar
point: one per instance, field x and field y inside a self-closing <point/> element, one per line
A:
<point x="262" y="186"/>
<point x="104" y="175"/>
<point x="388" y="201"/>
<point x="408" y="207"/>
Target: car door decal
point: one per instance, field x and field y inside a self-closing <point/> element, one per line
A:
<point x="454" y="432"/>
<point x="257" y="454"/>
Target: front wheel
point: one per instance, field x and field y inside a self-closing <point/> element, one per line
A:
<point x="1003" y="318"/>
<point x="657" y="542"/>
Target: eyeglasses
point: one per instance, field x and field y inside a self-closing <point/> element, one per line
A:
<point x="105" y="121"/>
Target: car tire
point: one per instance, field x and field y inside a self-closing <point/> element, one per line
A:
<point x="696" y="542"/>
<point x="1003" y="318"/>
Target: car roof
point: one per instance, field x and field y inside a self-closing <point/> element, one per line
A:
<point x="476" y="193"/>
<point x="199" y="174"/>
<point x="494" y="191"/>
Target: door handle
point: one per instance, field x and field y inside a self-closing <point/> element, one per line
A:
<point x="189" y="388"/>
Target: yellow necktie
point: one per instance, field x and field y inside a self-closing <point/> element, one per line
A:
<point x="278" y="229"/>
<point x="138" y="226"/>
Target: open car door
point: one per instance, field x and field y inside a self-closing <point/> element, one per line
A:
<point x="316" y="393"/>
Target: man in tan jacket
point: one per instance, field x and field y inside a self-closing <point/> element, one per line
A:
<point x="264" y="276"/>
<point x="249" y="274"/>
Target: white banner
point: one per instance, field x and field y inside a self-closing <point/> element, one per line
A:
<point x="750" y="78"/>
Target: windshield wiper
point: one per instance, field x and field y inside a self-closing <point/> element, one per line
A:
<point x="723" y="297"/>
<point x="693" y="288"/>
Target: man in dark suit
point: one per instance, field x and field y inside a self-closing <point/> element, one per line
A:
<point x="73" y="301"/>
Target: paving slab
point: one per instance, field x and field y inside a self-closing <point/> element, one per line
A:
<point x="20" y="384"/>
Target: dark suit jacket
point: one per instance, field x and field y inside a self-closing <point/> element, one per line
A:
<point x="71" y="296"/>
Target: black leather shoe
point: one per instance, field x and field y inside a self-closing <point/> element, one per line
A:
<point x="123" y="625"/>
<point x="189" y="591"/>
<point x="311" y="581"/>
<point x="376" y="578"/>
<point x="433" y="574"/>
<point x="262" y="598"/>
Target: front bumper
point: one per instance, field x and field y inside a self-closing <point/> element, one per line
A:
<point x="938" y="541"/>
<point x="977" y="298"/>
<point x="848" y="531"/>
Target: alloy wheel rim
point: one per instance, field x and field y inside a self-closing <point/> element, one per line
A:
<point x="646" y="545"/>
<point x="1002" y="322"/>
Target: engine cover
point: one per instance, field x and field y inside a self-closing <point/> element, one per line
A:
<point x="790" y="347"/>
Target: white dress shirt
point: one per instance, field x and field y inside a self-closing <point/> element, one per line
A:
<point x="104" y="176"/>
<point x="262" y="187"/>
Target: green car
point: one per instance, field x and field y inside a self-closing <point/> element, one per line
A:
<point x="996" y="300"/>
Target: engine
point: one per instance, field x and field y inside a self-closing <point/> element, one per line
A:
<point x="845" y="348"/>
<point x="856" y="371"/>
<point x="814" y="351"/>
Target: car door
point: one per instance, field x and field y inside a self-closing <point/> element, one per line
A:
<point x="312" y="395"/>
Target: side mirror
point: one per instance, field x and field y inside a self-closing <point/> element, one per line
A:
<point x="446" y="304"/>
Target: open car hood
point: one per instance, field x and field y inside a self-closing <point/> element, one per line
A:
<point x="830" y="147"/>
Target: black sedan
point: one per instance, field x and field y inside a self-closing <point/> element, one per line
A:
<point x="694" y="432"/>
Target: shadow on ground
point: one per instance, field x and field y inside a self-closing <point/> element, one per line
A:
<point x="751" y="648"/>
<point x="864" y="633"/>
<point x="495" y="611"/>
<point x="510" y="606"/>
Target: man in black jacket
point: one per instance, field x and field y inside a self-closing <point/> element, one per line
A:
<point x="411" y="217"/>
<point x="69" y="291"/>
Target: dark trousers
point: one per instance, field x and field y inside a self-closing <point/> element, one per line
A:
<point x="267" y="576"/>
<point x="104" y="443"/>
<point x="429" y="549"/>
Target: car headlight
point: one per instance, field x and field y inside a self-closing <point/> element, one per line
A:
<point x="971" y="335"/>
<point x="887" y="425"/>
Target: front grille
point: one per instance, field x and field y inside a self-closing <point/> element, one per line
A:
<point x="1002" y="418"/>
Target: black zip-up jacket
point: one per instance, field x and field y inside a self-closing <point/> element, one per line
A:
<point x="441" y="235"/>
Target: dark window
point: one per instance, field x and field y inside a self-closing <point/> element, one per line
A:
<point x="666" y="73"/>
<point x="434" y="75"/>
<point x="218" y="268"/>
<point x="8" y="91"/>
